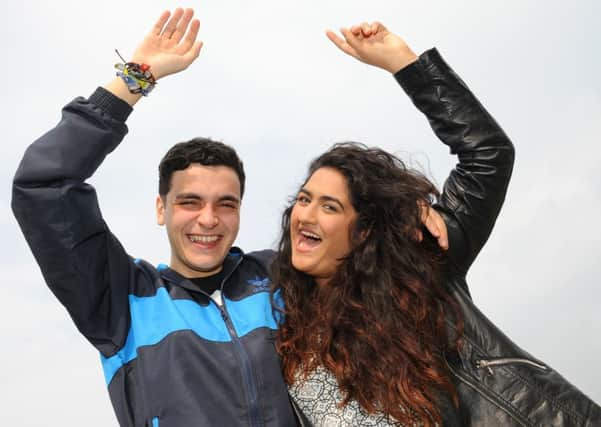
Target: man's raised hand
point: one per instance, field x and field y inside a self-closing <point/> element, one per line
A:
<point x="374" y="45"/>
<point x="171" y="45"/>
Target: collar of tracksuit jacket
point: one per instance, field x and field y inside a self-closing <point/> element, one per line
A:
<point x="230" y="263"/>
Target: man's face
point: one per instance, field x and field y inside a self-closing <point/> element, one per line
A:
<point x="201" y="212"/>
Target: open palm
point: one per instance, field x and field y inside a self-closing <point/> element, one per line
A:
<point x="171" y="45"/>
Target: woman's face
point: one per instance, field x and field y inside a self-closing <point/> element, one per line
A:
<point x="320" y="224"/>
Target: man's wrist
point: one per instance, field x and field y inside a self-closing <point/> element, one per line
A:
<point x="118" y="88"/>
<point x="113" y="105"/>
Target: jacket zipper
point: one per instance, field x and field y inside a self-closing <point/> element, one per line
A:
<point x="246" y="370"/>
<point x="502" y="361"/>
<point x="487" y="395"/>
<point x="251" y="387"/>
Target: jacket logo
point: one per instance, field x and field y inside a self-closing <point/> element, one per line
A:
<point x="259" y="285"/>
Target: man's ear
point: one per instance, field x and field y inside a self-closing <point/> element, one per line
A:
<point x="160" y="206"/>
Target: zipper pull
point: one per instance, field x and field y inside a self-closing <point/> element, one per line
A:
<point x="482" y="364"/>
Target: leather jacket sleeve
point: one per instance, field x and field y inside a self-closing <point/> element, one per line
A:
<point x="82" y="262"/>
<point x="475" y="190"/>
<point x="498" y="383"/>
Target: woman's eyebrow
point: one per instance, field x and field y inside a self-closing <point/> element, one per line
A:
<point x="323" y="198"/>
<point x="332" y="199"/>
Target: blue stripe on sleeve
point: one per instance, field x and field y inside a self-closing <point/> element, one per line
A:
<point x="155" y="317"/>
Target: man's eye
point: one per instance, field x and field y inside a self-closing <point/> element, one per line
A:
<point x="189" y="204"/>
<point x="229" y="205"/>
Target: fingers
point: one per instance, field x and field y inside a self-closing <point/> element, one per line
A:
<point x="366" y="30"/>
<point x="189" y="41"/>
<point x="182" y="25"/>
<point x="443" y="238"/>
<point x="158" y="26"/>
<point x="353" y="37"/>
<point x="340" y="43"/>
<point x="172" y="24"/>
<point x="435" y="225"/>
<point x="349" y="37"/>
<point x="193" y="53"/>
<point x="377" y="27"/>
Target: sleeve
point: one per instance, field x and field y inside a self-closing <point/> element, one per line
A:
<point x="82" y="262"/>
<point x="474" y="192"/>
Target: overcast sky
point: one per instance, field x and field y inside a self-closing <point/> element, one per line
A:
<point x="269" y="82"/>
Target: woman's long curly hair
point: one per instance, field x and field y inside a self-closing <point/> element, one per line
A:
<point x="379" y="324"/>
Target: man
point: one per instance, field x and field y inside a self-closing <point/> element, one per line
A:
<point x="186" y="345"/>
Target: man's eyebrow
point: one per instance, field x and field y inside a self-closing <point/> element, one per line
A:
<point x="229" y="198"/>
<point x="188" y="196"/>
<point x="323" y="198"/>
<point x="194" y="196"/>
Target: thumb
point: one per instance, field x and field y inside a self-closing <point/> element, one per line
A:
<point x="350" y="38"/>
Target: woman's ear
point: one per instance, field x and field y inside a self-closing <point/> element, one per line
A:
<point x="364" y="234"/>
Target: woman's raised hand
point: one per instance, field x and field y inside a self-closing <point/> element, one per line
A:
<point x="171" y="45"/>
<point x="374" y="45"/>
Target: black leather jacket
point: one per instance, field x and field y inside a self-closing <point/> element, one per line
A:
<point x="498" y="383"/>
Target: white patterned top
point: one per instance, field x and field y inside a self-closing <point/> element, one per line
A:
<point x="318" y="397"/>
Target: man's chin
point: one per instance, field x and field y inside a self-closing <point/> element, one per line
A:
<point x="204" y="267"/>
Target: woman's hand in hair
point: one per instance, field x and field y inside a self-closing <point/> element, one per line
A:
<point x="374" y="45"/>
<point x="434" y="223"/>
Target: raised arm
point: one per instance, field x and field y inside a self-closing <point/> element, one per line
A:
<point x="475" y="190"/>
<point x="82" y="262"/>
<point x="168" y="48"/>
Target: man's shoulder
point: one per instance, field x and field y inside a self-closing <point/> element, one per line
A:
<point x="264" y="256"/>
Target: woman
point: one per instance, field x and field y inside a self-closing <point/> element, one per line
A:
<point x="372" y="329"/>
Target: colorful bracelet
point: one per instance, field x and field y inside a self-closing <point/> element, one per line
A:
<point x="137" y="77"/>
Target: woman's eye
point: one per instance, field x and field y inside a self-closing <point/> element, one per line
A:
<point x="330" y="208"/>
<point x="302" y="199"/>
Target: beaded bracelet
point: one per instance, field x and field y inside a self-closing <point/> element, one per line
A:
<point x="137" y="77"/>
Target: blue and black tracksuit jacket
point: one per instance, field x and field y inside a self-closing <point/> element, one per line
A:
<point x="171" y="356"/>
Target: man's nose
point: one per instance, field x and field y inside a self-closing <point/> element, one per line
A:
<point x="207" y="217"/>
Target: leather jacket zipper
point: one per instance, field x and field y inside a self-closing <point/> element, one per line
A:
<point x="502" y="361"/>
<point x="518" y="418"/>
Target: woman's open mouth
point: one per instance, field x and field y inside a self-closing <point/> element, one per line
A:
<point x="307" y="241"/>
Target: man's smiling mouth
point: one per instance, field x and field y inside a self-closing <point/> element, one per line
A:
<point x="196" y="238"/>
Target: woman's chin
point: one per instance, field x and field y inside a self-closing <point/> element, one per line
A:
<point x="301" y="264"/>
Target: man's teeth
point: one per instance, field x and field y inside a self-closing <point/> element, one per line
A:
<point x="310" y="235"/>
<point x="203" y="239"/>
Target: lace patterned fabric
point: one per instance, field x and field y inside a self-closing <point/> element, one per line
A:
<point x="318" y="397"/>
